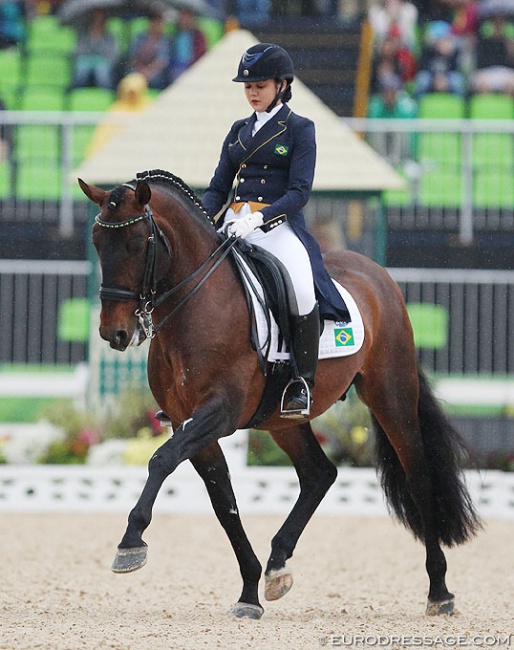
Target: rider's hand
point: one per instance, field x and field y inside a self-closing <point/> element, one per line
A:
<point x="244" y="226"/>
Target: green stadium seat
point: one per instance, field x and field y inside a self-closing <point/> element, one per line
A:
<point x="5" y="179"/>
<point x="430" y="325"/>
<point x="493" y="189"/>
<point x="38" y="179"/>
<point x="46" y="34"/>
<point x="73" y="320"/>
<point x="441" y="147"/>
<point x="87" y="100"/>
<point x="491" y="107"/>
<point x="37" y="140"/>
<point x="10" y="95"/>
<point x="42" y="98"/>
<point x="48" y="69"/>
<point x="441" y="106"/>
<point x="211" y="28"/>
<point x="441" y="187"/>
<point x="398" y="198"/>
<point x="11" y="67"/>
<point x="491" y="150"/>
<point x="90" y="99"/>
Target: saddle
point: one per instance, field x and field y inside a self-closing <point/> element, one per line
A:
<point x="276" y="296"/>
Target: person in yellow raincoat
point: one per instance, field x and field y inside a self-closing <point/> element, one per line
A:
<point x="132" y="97"/>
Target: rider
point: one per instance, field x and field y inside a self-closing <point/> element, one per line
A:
<point x="271" y="155"/>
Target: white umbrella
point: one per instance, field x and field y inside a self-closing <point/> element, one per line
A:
<point x="73" y="12"/>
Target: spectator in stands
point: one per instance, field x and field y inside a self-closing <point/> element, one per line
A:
<point x="149" y="54"/>
<point x="465" y="28"/>
<point x="438" y="69"/>
<point x="392" y="57"/>
<point x="132" y="98"/>
<point x="96" y="54"/>
<point x="12" y="23"/>
<point x="432" y="10"/>
<point x="188" y="44"/>
<point x="494" y="58"/>
<point x="252" y="12"/>
<point x="392" y="102"/>
<point x="403" y="15"/>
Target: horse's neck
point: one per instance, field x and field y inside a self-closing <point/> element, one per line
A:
<point x="192" y="240"/>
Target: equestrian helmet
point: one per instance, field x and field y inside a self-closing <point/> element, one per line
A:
<point x="265" y="61"/>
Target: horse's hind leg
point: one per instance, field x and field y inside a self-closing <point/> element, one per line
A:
<point x="211" y="466"/>
<point x="415" y="461"/>
<point x="316" y="474"/>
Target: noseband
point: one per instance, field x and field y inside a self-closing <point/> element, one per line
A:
<point x="146" y="298"/>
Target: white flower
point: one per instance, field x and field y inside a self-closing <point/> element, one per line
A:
<point x="105" y="453"/>
<point x="28" y="443"/>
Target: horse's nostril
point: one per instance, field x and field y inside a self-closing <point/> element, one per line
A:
<point x="121" y="337"/>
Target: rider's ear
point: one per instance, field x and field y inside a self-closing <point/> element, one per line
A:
<point x="143" y="193"/>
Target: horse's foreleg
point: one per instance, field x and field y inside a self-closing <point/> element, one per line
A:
<point x="211" y="466"/>
<point x="316" y="474"/>
<point x="206" y="425"/>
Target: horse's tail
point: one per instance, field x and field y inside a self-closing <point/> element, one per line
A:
<point x="455" y="517"/>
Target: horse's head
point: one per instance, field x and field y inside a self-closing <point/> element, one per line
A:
<point x="134" y="257"/>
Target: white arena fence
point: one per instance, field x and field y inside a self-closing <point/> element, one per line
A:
<point x="259" y="490"/>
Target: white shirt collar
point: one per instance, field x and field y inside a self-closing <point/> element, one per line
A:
<point x="262" y="118"/>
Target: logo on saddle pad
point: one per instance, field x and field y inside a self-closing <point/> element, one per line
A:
<point x="343" y="336"/>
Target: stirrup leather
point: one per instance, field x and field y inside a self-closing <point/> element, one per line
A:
<point x="296" y="413"/>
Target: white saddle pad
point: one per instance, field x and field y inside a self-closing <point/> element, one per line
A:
<point x="337" y="339"/>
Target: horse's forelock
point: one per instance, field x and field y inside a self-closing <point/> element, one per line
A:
<point x="116" y="197"/>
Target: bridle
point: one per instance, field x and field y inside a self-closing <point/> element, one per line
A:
<point x="147" y="297"/>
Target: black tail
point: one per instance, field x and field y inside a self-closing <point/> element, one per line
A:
<point x="455" y="516"/>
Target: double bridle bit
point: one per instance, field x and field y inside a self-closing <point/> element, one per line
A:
<point x="147" y="297"/>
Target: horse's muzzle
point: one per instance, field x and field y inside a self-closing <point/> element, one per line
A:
<point x="120" y="339"/>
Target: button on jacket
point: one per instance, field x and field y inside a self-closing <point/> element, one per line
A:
<point x="276" y="168"/>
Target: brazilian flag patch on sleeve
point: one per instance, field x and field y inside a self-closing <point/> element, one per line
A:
<point x="343" y="337"/>
<point x="281" y="149"/>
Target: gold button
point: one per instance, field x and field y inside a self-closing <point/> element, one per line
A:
<point x="241" y="180"/>
<point x="243" y="166"/>
<point x="263" y="181"/>
<point x="265" y="166"/>
<point x="238" y="198"/>
<point x="259" y="198"/>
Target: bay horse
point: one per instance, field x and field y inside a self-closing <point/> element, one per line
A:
<point x="162" y="260"/>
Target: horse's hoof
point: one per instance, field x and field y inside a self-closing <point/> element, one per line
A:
<point x="247" y="610"/>
<point x="278" y="583"/>
<point x="129" y="559"/>
<point x="441" y="607"/>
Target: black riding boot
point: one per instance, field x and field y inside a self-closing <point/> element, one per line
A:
<point x="296" y="401"/>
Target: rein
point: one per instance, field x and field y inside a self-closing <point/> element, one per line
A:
<point x="147" y="297"/>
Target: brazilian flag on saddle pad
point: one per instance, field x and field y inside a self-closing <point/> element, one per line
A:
<point x="343" y="336"/>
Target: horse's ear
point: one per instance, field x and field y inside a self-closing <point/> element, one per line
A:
<point x="93" y="193"/>
<point x="143" y="193"/>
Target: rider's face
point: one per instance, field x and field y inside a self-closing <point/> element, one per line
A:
<point x="260" y="94"/>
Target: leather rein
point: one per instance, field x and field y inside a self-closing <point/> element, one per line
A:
<point x="147" y="298"/>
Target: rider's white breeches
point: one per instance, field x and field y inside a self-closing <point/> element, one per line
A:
<point x="285" y="245"/>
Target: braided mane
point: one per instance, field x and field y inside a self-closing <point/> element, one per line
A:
<point x="167" y="178"/>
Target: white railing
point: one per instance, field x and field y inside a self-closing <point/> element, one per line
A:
<point x="68" y="121"/>
<point x="259" y="490"/>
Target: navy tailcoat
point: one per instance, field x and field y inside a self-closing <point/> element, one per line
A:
<point x="276" y="168"/>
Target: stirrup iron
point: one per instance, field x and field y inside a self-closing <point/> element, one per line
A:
<point x="296" y="413"/>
